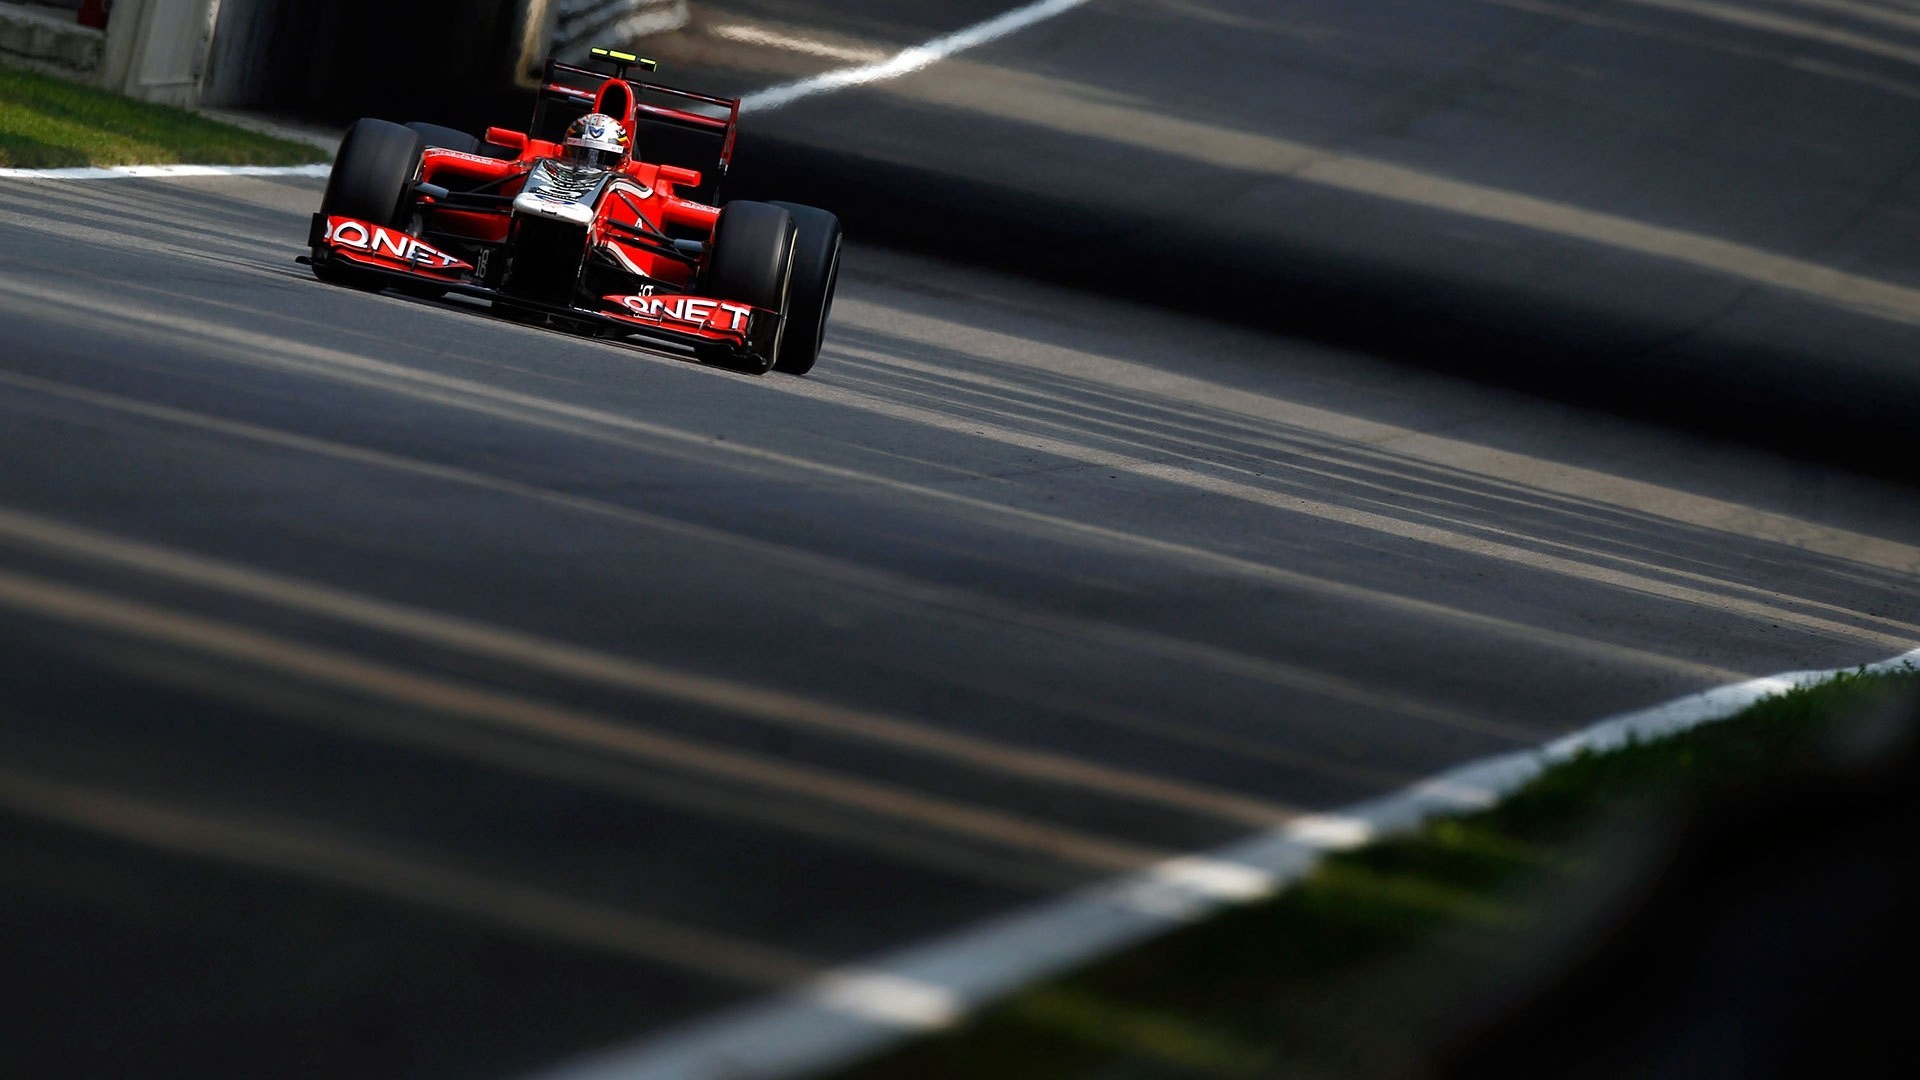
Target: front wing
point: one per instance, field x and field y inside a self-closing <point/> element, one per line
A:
<point x="680" y="318"/>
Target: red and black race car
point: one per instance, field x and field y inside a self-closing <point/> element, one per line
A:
<point x="575" y="224"/>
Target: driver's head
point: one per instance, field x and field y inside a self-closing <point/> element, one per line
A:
<point x="595" y="141"/>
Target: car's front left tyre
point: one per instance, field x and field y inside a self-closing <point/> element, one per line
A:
<point x="440" y="137"/>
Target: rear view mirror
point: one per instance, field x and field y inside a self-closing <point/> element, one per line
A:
<point x="507" y="138"/>
<point x="679" y="177"/>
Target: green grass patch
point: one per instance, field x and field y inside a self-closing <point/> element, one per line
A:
<point x="1346" y="973"/>
<point x="48" y="123"/>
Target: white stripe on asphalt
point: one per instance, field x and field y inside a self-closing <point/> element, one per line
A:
<point x="908" y="61"/>
<point x="905" y="62"/>
<point x="123" y="172"/>
<point x="845" y="1015"/>
<point x="760" y="35"/>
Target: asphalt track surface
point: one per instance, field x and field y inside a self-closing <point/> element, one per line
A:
<point x="393" y="691"/>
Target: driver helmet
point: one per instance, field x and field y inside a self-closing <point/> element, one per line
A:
<point x="595" y="141"/>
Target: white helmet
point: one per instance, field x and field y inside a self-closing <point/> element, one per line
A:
<point x="595" y="141"/>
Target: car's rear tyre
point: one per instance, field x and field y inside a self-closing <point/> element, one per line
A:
<point x="816" y="269"/>
<point x="445" y="138"/>
<point x="372" y="180"/>
<point x="752" y="263"/>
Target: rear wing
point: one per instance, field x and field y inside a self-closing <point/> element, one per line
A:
<point x="670" y="126"/>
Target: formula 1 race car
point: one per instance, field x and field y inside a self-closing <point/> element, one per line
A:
<point x="576" y="225"/>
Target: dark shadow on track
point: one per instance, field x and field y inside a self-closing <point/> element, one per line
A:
<point x="1826" y="404"/>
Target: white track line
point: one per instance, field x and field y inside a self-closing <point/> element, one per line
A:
<point x="908" y="61"/>
<point x="773" y="39"/>
<point x="845" y="1015"/>
<point x="905" y="62"/>
<point x="125" y="172"/>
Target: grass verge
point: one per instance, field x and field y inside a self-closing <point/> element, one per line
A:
<point x="48" y="123"/>
<point x="1358" y="969"/>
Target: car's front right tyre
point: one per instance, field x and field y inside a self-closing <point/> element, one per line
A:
<point x="372" y="180"/>
<point x="751" y="263"/>
<point x="816" y="272"/>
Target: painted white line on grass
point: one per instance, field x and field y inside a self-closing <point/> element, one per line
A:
<point x="845" y="1015"/>
<point x="124" y="172"/>
<point x="908" y="61"/>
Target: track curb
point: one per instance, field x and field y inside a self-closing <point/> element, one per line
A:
<point x="851" y="1013"/>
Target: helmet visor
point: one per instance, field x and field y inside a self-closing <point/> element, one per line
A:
<point x="590" y="157"/>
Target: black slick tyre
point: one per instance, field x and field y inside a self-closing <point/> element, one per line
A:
<point x="445" y="138"/>
<point x="751" y="263"/>
<point x="372" y="180"/>
<point x="816" y="270"/>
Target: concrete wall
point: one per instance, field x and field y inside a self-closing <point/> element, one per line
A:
<point x="48" y="39"/>
<point x="157" y="49"/>
<point x="153" y="49"/>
